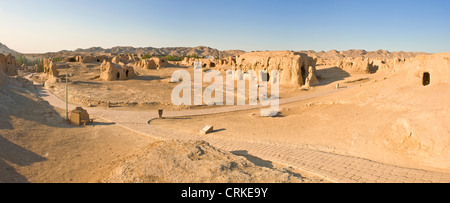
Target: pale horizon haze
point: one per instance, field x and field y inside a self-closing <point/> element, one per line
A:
<point x="30" y="26"/>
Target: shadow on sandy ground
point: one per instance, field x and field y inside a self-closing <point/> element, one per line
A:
<point x="330" y="75"/>
<point x="14" y="104"/>
<point x="12" y="153"/>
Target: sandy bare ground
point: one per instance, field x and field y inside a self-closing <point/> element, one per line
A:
<point x="37" y="145"/>
<point x="199" y="162"/>
<point x="151" y="89"/>
<point x="380" y="120"/>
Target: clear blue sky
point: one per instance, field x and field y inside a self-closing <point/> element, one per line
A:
<point x="32" y="26"/>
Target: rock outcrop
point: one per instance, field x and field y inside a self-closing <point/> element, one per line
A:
<point x="292" y="66"/>
<point x="113" y="71"/>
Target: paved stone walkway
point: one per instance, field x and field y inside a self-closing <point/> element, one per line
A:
<point x="332" y="167"/>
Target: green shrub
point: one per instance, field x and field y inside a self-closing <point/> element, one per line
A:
<point x="22" y="59"/>
<point x="169" y="57"/>
<point x="146" y="56"/>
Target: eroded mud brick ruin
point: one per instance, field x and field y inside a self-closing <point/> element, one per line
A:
<point x="152" y="63"/>
<point x="116" y="71"/>
<point x="425" y="69"/>
<point x="293" y="67"/>
<point x="50" y="68"/>
<point x="8" y="64"/>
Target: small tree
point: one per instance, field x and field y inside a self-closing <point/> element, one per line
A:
<point x="40" y="64"/>
<point x="21" y="59"/>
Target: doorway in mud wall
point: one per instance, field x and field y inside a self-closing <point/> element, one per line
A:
<point x="265" y="76"/>
<point x="304" y="73"/>
<point x="126" y="73"/>
<point x="118" y="76"/>
<point x="426" y="79"/>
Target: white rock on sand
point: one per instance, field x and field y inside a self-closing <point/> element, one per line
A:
<point x="268" y="113"/>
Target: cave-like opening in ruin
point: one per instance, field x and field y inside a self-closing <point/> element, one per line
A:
<point x="267" y="78"/>
<point x="426" y="79"/>
<point x="304" y="73"/>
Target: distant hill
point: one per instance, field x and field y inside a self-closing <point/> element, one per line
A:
<point x="172" y="51"/>
<point x="204" y="51"/>
<point x="379" y="54"/>
<point x="5" y="50"/>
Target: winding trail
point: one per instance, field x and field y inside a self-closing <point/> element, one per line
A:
<point x="330" y="166"/>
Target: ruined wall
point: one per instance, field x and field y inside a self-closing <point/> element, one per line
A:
<point x="113" y="71"/>
<point x="359" y="65"/>
<point x="3" y="78"/>
<point x="229" y="61"/>
<point x="160" y="63"/>
<point x="2" y="63"/>
<point x="11" y="65"/>
<point x="50" y="68"/>
<point x="362" y="65"/>
<point x="70" y="59"/>
<point x="292" y="66"/>
<point x="152" y="63"/>
<point x="8" y="64"/>
<point x="187" y="62"/>
<point x="311" y="80"/>
<point x="123" y="58"/>
<point x="385" y="65"/>
<point x="100" y="59"/>
<point x="207" y="63"/>
<point x="436" y="65"/>
<point x="146" y="64"/>
<point x="90" y="59"/>
<point x="380" y="65"/>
